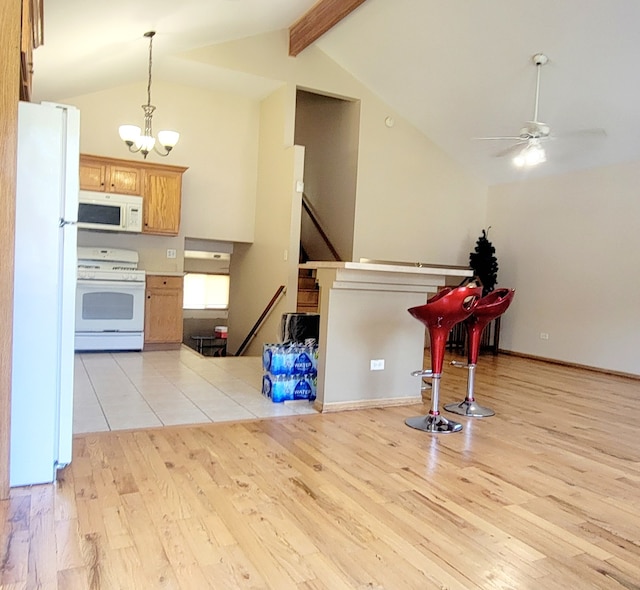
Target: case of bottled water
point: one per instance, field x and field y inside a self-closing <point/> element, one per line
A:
<point x="290" y="371"/>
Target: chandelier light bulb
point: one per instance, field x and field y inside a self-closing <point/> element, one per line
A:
<point x="129" y="133"/>
<point x="168" y="139"/>
<point x="145" y="143"/>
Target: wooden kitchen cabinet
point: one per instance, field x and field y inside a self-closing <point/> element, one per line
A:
<point x="163" y="312"/>
<point x="162" y="200"/>
<point x="160" y="186"/>
<point x="98" y="174"/>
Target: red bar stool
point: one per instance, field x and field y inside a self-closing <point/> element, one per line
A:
<point x="488" y="308"/>
<point x="440" y="314"/>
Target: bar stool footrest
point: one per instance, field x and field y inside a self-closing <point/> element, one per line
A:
<point x="459" y="364"/>
<point x="424" y="373"/>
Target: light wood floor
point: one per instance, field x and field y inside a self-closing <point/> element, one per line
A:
<point x="545" y="495"/>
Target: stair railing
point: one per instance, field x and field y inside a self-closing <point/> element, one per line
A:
<point x="308" y="207"/>
<point x="263" y="316"/>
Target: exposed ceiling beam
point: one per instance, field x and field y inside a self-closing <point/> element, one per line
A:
<point x="324" y="15"/>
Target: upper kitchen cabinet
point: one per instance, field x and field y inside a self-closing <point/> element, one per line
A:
<point x="159" y="185"/>
<point x="99" y="174"/>
<point x="162" y="198"/>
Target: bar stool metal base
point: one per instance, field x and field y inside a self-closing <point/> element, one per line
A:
<point x="435" y="424"/>
<point x="469" y="409"/>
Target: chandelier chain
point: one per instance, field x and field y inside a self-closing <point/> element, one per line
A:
<point x="150" y="34"/>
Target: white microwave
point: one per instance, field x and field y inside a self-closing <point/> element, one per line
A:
<point x="108" y="211"/>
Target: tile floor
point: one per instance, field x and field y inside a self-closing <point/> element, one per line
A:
<point x="122" y="390"/>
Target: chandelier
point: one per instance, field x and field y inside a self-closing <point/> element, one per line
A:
<point x="134" y="137"/>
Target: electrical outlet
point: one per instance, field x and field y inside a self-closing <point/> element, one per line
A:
<point x="377" y="364"/>
<point x="171" y="253"/>
<point x="544" y="336"/>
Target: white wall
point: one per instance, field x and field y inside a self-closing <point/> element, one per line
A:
<point x="414" y="202"/>
<point x="569" y="245"/>
<point x="258" y="270"/>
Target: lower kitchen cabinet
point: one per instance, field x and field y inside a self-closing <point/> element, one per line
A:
<point x="163" y="312"/>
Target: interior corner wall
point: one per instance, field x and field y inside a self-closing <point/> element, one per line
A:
<point x="258" y="269"/>
<point x="569" y="246"/>
<point x="328" y="128"/>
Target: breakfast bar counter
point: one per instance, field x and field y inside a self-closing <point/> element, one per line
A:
<point x="368" y="343"/>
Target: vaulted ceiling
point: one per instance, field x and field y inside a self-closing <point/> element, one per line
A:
<point x="455" y="69"/>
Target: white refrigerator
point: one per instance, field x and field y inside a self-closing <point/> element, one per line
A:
<point x="44" y="291"/>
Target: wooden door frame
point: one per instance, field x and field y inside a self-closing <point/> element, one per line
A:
<point x="10" y="23"/>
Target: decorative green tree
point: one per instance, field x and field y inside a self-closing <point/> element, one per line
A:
<point x="484" y="263"/>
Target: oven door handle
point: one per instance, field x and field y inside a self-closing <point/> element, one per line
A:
<point x="97" y="283"/>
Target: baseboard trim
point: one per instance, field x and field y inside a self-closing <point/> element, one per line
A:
<point x="366" y="404"/>
<point x="569" y="364"/>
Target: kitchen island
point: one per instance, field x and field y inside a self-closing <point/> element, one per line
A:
<point x="369" y="344"/>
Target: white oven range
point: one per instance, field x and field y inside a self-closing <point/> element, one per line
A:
<point x="109" y="300"/>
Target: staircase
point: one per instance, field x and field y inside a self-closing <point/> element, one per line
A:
<point x="307" y="292"/>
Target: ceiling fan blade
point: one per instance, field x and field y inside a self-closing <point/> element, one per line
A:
<point x="507" y="137"/>
<point x="512" y="150"/>
<point x="578" y="133"/>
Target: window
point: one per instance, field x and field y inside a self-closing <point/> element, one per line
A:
<point x="204" y="291"/>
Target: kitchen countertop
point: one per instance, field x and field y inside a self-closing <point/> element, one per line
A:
<point x="392" y="267"/>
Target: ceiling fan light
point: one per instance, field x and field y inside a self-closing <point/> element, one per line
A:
<point x="519" y="160"/>
<point x="535" y="155"/>
<point x="532" y="155"/>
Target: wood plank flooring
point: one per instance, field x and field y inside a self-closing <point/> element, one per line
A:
<point x="544" y="495"/>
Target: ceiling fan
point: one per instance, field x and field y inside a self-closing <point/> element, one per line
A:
<point x="528" y="149"/>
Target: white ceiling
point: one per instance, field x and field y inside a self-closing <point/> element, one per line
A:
<point x="456" y="69"/>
